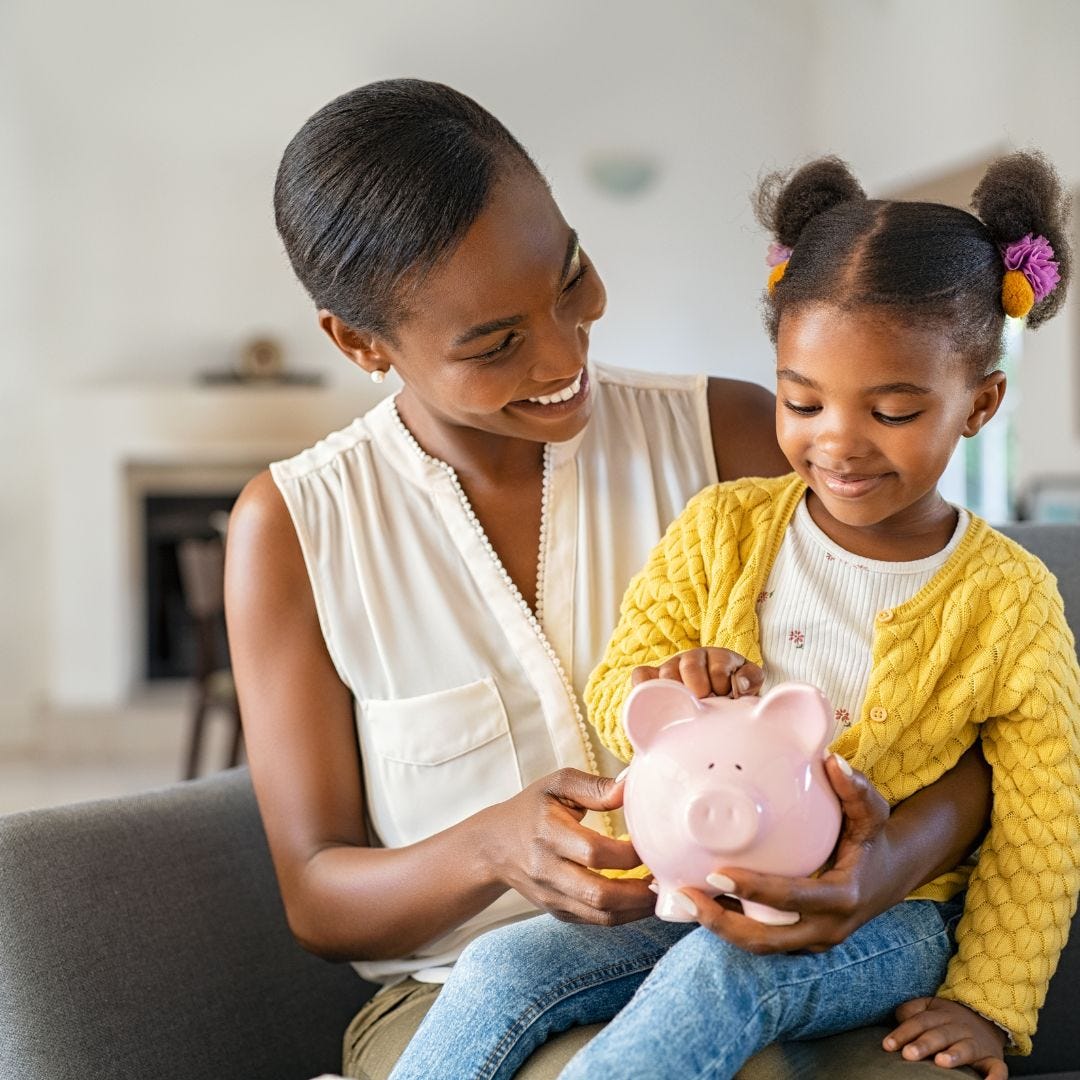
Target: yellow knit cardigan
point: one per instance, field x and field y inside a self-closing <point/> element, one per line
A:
<point x="982" y="651"/>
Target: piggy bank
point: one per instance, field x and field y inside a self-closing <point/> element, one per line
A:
<point x="721" y="782"/>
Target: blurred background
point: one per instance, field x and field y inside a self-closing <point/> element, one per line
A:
<point x="156" y="350"/>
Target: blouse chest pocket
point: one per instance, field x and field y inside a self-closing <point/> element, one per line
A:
<point x="431" y="761"/>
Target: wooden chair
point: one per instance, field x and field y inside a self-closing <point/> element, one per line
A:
<point x="202" y="579"/>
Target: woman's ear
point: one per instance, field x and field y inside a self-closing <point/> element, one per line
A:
<point x="364" y="350"/>
<point x="986" y="402"/>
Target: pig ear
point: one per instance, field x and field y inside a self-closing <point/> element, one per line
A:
<point x="652" y="705"/>
<point x="802" y="712"/>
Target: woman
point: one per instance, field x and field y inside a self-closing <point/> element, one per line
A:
<point x="415" y="603"/>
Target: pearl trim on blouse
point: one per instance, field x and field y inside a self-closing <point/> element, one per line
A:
<point x="533" y="617"/>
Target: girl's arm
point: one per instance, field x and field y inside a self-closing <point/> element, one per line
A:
<point x="343" y="898"/>
<point x="743" y="420"/>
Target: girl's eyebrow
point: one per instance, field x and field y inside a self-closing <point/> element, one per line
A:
<point x="482" y="329"/>
<point x="884" y="388"/>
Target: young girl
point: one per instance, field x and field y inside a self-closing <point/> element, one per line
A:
<point x="927" y="628"/>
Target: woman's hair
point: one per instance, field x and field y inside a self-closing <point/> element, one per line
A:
<point x="378" y="186"/>
<point x="927" y="262"/>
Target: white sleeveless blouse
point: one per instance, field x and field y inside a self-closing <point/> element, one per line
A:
<point x="462" y="698"/>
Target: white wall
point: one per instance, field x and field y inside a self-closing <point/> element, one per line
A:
<point x="903" y="88"/>
<point x="138" y="144"/>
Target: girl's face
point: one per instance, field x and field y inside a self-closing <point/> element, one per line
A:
<point x="502" y="322"/>
<point x="868" y="412"/>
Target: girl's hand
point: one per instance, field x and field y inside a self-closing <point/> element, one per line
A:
<point x="706" y="672"/>
<point x="853" y="890"/>
<point x="950" y="1032"/>
<point x="538" y="846"/>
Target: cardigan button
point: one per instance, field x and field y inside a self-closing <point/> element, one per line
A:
<point x="878" y="713"/>
<point x="885" y="616"/>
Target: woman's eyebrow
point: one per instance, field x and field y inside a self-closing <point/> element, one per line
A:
<point x="509" y="321"/>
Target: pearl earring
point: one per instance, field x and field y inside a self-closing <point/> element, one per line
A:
<point x="377" y="376"/>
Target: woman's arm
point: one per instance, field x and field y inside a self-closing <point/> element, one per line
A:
<point x="743" y="420"/>
<point x="343" y="898"/>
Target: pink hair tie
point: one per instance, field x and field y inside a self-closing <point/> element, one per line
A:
<point x="777" y="254"/>
<point x="1033" y="257"/>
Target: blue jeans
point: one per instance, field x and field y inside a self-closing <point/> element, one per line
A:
<point x="681" y="1001"/>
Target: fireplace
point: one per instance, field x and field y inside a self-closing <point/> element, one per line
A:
<point x="137" y="442"/>
<point x="168" y="631"/>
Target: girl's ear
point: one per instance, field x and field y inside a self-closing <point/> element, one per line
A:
<point x="986" y="402"/>
<point x="362" y="349"/>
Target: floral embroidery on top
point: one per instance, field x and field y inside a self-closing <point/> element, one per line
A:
<point x="842" y="716"/>
<point x="763" y="596"/>
<point x="830" y="557"/>
<point x="797" y="638"/>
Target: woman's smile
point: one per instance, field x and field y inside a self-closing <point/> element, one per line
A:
<point x="560" y="402"/>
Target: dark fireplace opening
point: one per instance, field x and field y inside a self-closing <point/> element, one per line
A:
<point x="170" y="632"/>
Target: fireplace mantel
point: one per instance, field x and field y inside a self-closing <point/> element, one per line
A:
<point x="107" y="440"/>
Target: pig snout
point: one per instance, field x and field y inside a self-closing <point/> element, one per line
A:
<point x="722" y="819"/>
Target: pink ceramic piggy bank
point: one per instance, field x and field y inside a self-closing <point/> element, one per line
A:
<point x="721" y="782"/>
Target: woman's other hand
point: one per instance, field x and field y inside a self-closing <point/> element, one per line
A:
<point x="950" y="1033"/>
<point x="706" y="672"/>
<point x="857" y="886"/>
<point x="540" y="848"/>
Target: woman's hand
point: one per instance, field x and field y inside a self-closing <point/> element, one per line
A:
<point x="857" y="886"/>
<point x="706" y="672"/>
<point x="540" y="848"/>
<point x="952" y="1034"/>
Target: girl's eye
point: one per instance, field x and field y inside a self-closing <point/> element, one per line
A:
<point x="802" y="410"/>
<point x="499" y="349"/>
<point x="576" y="279"/>
<point x="885" y="419"/>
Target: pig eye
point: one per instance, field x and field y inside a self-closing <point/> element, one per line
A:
<point x="712" y="764"/>
<point x="738" y="766"/>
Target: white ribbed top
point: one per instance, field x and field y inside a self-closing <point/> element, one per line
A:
<point x="818" y="607"/>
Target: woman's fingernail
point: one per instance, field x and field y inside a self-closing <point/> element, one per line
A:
<point x="684" y="903"/>
<point x="721" y="882"/>
<point x="653" y="887"/>
<point x="622" y="776"/>
<point x="845" y="767"/>
<point x="743" y="683"/>
<point x="890" y="1044"/>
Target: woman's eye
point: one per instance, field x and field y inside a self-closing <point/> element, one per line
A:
<point x="576" y="279"/>
<point x="802" y="410"/>
<point x="886" y="419"/>
<point x="500" y="348"/>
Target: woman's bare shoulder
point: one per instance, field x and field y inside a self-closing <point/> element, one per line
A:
<point x="742" y="416"/>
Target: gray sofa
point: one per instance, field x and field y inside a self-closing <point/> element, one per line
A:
<point x="143" y="938"/>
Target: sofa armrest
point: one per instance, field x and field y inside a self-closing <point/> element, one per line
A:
<point x="144" y="937"/>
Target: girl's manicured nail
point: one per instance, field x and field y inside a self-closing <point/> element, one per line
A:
<point x="721" y="883"/>
<point x="684" y="903"/>
<point x="845" y="767"/>
<point x="622" y="776"/>
<point x="653" y="887"/>
<point x="743" y="683"/>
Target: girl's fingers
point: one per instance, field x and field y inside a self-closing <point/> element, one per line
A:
<point x="913" y="1007"/>
<point x="992" y="1068"/>
<point x="747" y="680"/>
<point x="643" y="674"/>
<point x="695" y="673"/>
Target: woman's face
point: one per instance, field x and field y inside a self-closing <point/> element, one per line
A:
<point x="497" y="336"/>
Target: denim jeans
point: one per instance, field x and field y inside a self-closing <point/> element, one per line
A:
<point x="681" y="1001"/>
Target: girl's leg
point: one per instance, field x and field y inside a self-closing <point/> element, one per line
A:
<point x="513" y="987"/>
<point x="708" y="1006"/>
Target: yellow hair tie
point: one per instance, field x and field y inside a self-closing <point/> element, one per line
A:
<point x="777" y="272"/>
<point x="1017" y="295"/>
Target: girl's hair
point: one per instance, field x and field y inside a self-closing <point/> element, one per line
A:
<point x="913" y="260"/>
<point x="378" y="186"/>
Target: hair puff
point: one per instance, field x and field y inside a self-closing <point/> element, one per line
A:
<point x="1021" y="194"/>
<point x="785" y="203"/>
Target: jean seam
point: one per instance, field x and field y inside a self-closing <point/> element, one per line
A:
<point x="709" y="1070"/>
<point x="559" y="993"/>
